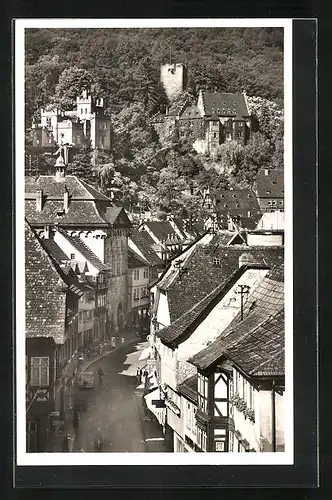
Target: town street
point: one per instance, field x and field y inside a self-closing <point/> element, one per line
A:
<point x="116" y="407"/>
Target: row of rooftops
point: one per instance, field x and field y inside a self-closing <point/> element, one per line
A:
<point x="254" y="344"/>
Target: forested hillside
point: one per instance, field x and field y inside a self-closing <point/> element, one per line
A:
<point x="124" y="66"/>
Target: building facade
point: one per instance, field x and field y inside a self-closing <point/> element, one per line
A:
<point x="88" y="123"/>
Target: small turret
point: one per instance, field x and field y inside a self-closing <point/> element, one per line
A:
<point x="59" y="168"/>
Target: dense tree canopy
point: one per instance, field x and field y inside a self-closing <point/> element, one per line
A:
<point x="123" y="65"/>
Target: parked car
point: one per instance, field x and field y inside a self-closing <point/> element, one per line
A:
<point x="86" y="380"/>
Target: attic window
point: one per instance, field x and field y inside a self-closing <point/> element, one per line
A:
<point x="226" y="206"/>
<point x="249" y="195"/>
<point x="237" y="205"/>
<point x="274" y="182"/>
<point x="234" y="195"/>
<point x="216" y="261"/>
<point x="268" y="192"/>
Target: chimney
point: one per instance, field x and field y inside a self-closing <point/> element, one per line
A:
<point x="266" y="171"/>
<point x="46" y="232"/>
<point x="39" y="200"/>
<point x="66" y="200"/>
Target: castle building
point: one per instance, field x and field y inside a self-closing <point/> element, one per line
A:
<point x="87" y="122"/>
<point x="64" y="202"/>
<point x="174" y="79"/>
<point x="215" y="118"/>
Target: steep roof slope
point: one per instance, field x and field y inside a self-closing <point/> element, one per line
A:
<point x="266" y="302"/>
<point x="270" y="183"/>
<point x="45" y="292"/>
<point x="224" y="104"/>
<point x="145" y="246"/>
<point x="208" y="267"/>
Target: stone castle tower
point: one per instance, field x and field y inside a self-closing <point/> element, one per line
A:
<point x="174" y="79"/>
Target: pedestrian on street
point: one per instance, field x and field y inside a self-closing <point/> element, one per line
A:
<point x="139" y="375"/>
<point x="100" y="374"/>
<point x="65" y="444"/>
<point x="98" y="441"/>
<point x="76" y="421"/>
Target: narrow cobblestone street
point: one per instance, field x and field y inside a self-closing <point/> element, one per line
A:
<point x="116" y="408"/>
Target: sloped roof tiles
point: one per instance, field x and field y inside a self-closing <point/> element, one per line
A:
<point x="45" y="295"/>
<point x="265" y="302"/>
<point x="143" y="244"/>
<point x="209" y="266"/>
<point x="270" y="185"/>
<point x="90" y="256"/>
<point x="188" y="388"/>
<point x="224" y="104"/>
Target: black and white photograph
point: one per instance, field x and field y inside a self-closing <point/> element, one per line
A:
<point x="154" y="258"/>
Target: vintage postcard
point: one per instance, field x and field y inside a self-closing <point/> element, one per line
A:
<point x="154" y="293"/>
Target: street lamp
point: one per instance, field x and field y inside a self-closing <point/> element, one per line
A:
<point x="242" y="290"/>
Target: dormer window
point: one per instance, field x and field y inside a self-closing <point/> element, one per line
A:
<point x="72" y="256"/>
<point x="268" y="192"/>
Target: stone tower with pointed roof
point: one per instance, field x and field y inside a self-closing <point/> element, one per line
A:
<point x="70" y="204"/>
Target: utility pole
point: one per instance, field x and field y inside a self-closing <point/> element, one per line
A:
<point x="242" y="290"/>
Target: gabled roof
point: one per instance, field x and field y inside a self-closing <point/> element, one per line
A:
<point x="147" y="237"/>
<point x="143" y="244"/>
<point x="224" y="237"/>
<point x="117" y="217"/>
<point x="54" y="249"/>
<point x="238" y="202"/>
<point x="134" y="260"/>
<point x="261" y="352"/>
<point x="270" y="185"/>
<point x="180" y="329"/>
<point x="161" y="229"/>
<point x="45" y="292"/>
<point x="80" y="213"/>
<point x="54" y="188"/>
<point x="223" y="104"/>
<point x="89" y="255"/>
<point x="207" y="268"/>
<point x="188" y="388"/>
<point x="190" y="112"/>
<point x="266" y="301"/>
